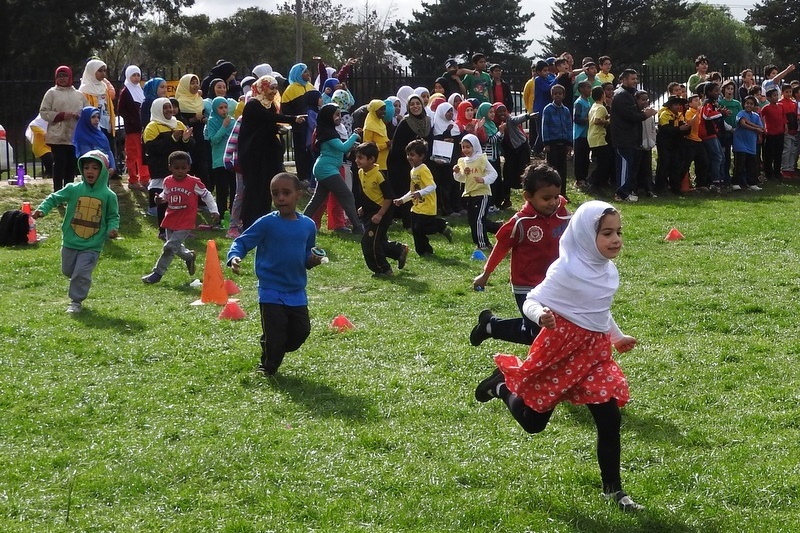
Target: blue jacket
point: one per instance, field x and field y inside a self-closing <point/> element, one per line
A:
<point x="556" y="124"/>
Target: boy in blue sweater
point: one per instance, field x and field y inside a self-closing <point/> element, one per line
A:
<point x="283" y="240"/>
<point x="557" y="134"/>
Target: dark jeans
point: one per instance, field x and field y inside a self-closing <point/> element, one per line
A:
<point x="581" y="158"/>
<point x="284" y="329"/>
<point x="557" y="158"/>
<point x="603" y="173"/>
<point x="772" y="153"/>
<point x="627" y="163"/>
<point x="746" y="169"/>
<point x="695" y="152"/>
<point x="520" y="330"/>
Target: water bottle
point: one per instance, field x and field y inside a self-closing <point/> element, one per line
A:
<point x="20" y="174"/>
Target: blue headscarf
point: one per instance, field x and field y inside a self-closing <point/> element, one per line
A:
<point x="214" y="120"/>
<point x="151" y="88"/>
<point x="88" y="137"/>
<point x="331" y="84"/>
<point x="296" y="73"/>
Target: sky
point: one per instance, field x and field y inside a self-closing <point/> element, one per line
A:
<point x="536" y="30"/>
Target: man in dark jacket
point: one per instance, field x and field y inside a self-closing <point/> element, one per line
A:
<point x="626" y="133"/>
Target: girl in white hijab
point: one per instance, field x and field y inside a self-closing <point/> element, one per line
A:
<point x="403" y="94"/>
<point x="477" y="174"/>
<point x="570" y="360"/>
<point x="100" y="94"/>
<point x="443" y="125"/>
<point x="131" y="98"/>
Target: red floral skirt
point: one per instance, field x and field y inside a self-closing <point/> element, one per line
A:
<point x="568" y="363"/>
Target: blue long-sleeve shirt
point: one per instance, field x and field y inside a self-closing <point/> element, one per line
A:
<point x="556" y="124"/>
<point x="283" y="247"/>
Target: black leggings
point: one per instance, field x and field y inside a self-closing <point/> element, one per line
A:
<point x="64" y="165"/>
<point x="607" y="418"/>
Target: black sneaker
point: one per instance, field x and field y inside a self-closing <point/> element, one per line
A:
<point x="486" y="389"/>
<point x="621" y="498"/>
<point x="151" y="278"/>
<point x="401" y="261"/>
<point x="385" y="274"/>
<point x="448" y="233"/>
<point x="478" y="333"/>
<point x="191" y="264"/>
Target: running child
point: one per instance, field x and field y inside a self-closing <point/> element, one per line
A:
<point x="531" y="236"/>
<point x="283" y="240"/>
<point x="475" y="172"/>
<point x="570" y="360"/>
<point x="91" y="218"/>
<point x="181" y="194"/>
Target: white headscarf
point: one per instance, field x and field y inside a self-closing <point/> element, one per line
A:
<point x="137" y="93"/>
<point x="581" y="283"/>
<point x="477" y="151"/>
<point x="440" y="123"/>
<point x="403" y="94"/>
<point x="264" y="69"/>
<point x="157" y="113"/>
<point x="89" y="82"/>
<point x="330" y="70"/>
<point x="452" y="99"/>
<point x="419" y="91"/>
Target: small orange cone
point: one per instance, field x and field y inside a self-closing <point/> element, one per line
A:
<point x="231" y="288"/>
<point x="213" y="282"/>
<point x="686" y="185"/>
<point x="232" y="311"/>
<point x="673" y="235"/>
<point x="32" y="237"/>
<point x="341" y="323"/>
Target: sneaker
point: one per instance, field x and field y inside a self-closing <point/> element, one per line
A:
<point x="493" y="209"/>
<point x="622" y="499"/>
<point x="75" y="308"/>
<point x="754" y="188"/>
<point x="736" y="187"/>
<point x="151" y="278"/>
<point x="385" y="274"/>
<point x="162" y="236"/>
<point x="478" y="333"/>
<point x="401" y="261"/>
<point x="487" y="389"/>
<point x="629" y="198"/>
<point x="651" y="194"/>
<point x="233" y="233"/>
<point x="264" y="371"/>
<point x="343" y="229"/>
<point x="787" y="174"/>
<point x="448" y="233"/>
<point x="191" y="264"/>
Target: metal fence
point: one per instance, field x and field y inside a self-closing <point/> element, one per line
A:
<point x="21" y="92"/>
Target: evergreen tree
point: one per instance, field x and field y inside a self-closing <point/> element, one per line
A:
<point x="451" y="28"/>
<point x="629" y="31"/>
<point x="778" y="24"/>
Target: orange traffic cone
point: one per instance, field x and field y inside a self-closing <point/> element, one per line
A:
<point x="231" y="288"/>
<point x="32" y="237"/>
<point x="213" y="282"/>
<point x="232" y="311"/>
<point x="686" y="185"/>
<point x="673" y="235"/>
<point x="341" y="323"/>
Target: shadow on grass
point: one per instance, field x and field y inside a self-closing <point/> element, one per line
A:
<point x="95" y="319"/>
<point x="321" y="399"/>
<point x="650" y="520"/>
<point x="654" y="429"/>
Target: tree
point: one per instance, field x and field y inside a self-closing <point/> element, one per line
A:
<point x="367" y="39"/>
<point x="712" y="31"/>
<point x="778" y="24"/>
<point x="328" y="19"/>
<point x="627" y="30"/>
<point x="52" y="32"/>
<point x="442" y="29"/>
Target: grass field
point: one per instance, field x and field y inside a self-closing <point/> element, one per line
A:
<point x="144" y="413"/>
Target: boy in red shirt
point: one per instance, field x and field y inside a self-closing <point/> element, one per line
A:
<point x="532" y="237"/>
<point x="774" y="118"/>
<point x="181" y="193"/>
<point x="789" y="156"/>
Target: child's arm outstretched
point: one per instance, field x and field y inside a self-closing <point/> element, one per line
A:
<point x="539" y="314"/>
<point x="623" y="343"/>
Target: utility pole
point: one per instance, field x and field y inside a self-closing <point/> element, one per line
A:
<point x="298" y="31"/>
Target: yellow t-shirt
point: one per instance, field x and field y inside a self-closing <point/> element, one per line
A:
<point x="596" y="134"/>
<point x="371" y="184"/>
<point x="421" y="177"/>
<point x="694" y="134"/>
<point x="470" y="171"/>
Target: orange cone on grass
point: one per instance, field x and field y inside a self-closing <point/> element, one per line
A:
<point x="341" y="323"/>
<point x="232" y="311"/>
<point x="673" y="235"/>
<point x="32" y="237"/>
<point x="686" y="184"/>
<point x="213" y="282"/>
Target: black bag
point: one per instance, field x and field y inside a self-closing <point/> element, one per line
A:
<point x="14" y="227"/>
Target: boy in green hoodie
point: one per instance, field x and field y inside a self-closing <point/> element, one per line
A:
<point x="91" y="217"/>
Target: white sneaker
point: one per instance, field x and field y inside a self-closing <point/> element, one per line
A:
<point x="75" y="307"/>
<point x="736" y="187"/>
<point x="632" y="198"/>
<point x="754" y="188"/>
<point x="623" y="501"/>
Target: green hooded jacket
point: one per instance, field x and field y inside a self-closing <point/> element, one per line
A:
<point x="92" y="210"/>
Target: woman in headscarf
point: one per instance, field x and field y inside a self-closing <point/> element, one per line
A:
<point x="61" y="108"/>
<point x="465" y="117"/>
<point x="100" y="94"/>
<point x="415" y="125"/>
<point x="491" y="137"/>
<point x="218" y="88"/>
<point x="153" y="88"/>
<point x="454" y="100"/>
<point x="163" y="135"/>
<point x="192" y="114"/>
<point x="129" y="106"/>
<point x="392" y="117"/>
<point x="260" y="147"/>
<point x="403" y="94"/>
<point x="88" y="137"/>
<point x="445" y="130"/>
<point x="293" y="102"/>
<point x="225" y="71"/>
<point x="217" y="131"/>
<point x="330" y="86"/>
<point x="375" y="131"/>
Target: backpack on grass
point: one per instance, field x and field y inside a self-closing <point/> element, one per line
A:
<point x="14" y="227"/>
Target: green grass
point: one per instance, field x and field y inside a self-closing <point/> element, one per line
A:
<point x="145" y="414"/>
